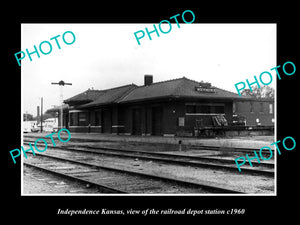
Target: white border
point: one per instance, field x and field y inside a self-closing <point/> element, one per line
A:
<point x="251" y="194"/>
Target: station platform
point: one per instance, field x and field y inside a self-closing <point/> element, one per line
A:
<point x="255" y="142"/>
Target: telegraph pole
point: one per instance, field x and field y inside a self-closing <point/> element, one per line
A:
<point x="61" y="84"/>
<point x="41" y="114"/>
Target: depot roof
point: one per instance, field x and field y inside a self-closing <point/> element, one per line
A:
<point x="65" y="108"/>
<point x="176" y="88"/>
<point x="86" y="96"/>
<point x="179" y="88"/>
<point x="109" y="96"/>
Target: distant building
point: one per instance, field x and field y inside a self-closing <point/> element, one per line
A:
<point x="30" y="126"/>
<point x="50" y="124"/>
<point x="172" y="107"/>
<point x="257" y="112"/>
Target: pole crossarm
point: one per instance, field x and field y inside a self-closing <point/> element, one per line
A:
<point x="62" y="83"/>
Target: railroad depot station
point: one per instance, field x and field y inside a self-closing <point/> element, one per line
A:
<point x="178" y="107"/>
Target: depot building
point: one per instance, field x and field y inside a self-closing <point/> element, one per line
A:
<point x="168" y="108"/>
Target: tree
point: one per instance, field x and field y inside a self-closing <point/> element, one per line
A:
<point x="27" y="116"/>
<point x="263" y="92"/>
<point x="45" y="116"/>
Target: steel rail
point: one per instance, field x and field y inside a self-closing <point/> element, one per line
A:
<point x="176" y="159"/>
<point x="73" y="178"/>
<point x="193" y="146"/>
<point x="209" y="186"/>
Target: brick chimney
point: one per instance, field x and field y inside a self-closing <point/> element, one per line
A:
<point x="148" y="80"/>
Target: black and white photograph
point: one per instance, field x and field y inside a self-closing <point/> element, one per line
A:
<point x="159" y="116"/>
<point x="135" y="112"/>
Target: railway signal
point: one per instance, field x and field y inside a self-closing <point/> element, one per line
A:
<point x="61" y="84"/>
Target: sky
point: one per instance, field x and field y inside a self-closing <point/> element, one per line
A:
<point x="104" y="56"/>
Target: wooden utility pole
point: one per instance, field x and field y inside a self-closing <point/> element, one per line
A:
<point x="41" y="114"/>
<point x="61" y="84"/>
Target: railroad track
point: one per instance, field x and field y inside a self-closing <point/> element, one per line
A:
<point x="87" y="183"/>
<point x="192" y="147"/>
<point x="115" y="180"/>
<point x="229" y="149"/>
<point x="264" y="169"/>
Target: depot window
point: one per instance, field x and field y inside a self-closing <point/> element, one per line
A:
<point x="261" y="107"/>
<point x="200" y="109"/>
<point x="72" y="119"/>
<point x="97" y="118"/>
<point x="271" y="108"/>
<point x="251" y="107"/>
<point x="82" y="118"/>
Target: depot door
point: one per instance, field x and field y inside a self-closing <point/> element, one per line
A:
<point x="157" y="120"/>
<point x="106" y="121"/>
<point x="136" y="122"/>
